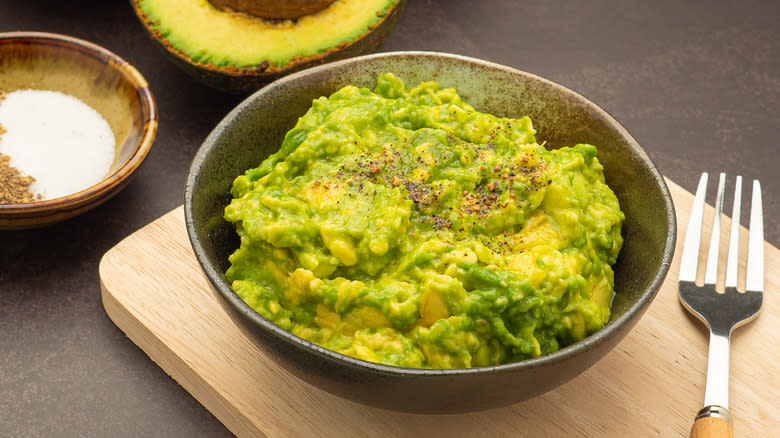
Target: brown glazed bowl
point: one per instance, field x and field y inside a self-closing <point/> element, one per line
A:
<point x="255" y="128"/>
<point x="244" y="80"/>
<point x="102" y="80"/>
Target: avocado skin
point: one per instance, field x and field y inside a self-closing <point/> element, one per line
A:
<point x="242" y="81"/>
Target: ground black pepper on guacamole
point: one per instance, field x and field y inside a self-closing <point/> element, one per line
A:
<point x="402" y="226"/>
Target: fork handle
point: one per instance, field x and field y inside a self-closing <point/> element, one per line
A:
<point x="712" y="422"/>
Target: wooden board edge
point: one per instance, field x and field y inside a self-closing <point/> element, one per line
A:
<point x="161" y="354"/>
<point x="173" y="365"/>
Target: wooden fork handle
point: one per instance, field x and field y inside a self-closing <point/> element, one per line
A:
<point x="712" y="422"/>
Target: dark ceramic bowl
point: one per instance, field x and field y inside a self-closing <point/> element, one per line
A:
<point x="102" y="80"/>
<point x="248" y="79"/>
<point x="255" y="129"/>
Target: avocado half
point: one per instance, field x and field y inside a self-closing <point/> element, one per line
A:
<point x="239" y="53"/>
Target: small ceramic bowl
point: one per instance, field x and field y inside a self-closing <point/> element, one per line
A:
<point x="102" y="80"/>
<point x="562" y="117"/>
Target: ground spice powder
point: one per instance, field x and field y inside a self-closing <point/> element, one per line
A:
<point x="14" y="187"/>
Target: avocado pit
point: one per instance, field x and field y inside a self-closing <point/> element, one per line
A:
<point x="273" y="9"/>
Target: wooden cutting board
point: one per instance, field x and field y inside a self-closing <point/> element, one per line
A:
<point x="651" y="384"/>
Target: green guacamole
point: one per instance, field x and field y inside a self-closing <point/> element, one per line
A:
<point x="402" y="226"/>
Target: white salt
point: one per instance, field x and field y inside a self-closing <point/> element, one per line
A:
<point x="57" y="139"/>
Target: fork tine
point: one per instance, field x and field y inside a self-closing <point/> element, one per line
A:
<point x="721" y="312"/>
<point x="755" y="268"/>
<point x="690" y="253"/>
<point x="711" y="273"/>
<point x="733" y="254"/>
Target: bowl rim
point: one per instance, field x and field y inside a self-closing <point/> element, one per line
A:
<point x="148" y="107"/>
<point x="611" y="330"/>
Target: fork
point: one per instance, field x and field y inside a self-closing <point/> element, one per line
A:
<point x="721" y="312"/>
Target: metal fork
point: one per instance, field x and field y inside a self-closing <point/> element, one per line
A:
<point x="721" y="312"/>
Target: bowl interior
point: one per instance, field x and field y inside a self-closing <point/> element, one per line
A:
<point x="90" y="73"/>
<point x="256" y="128"/>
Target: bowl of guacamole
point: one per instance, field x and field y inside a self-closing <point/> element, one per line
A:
<point x="428" y="232"/>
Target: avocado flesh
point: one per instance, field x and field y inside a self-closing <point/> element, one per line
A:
<point x="208" y="35"/>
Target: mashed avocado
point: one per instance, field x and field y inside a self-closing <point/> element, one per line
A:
<point x="402" y="226"/>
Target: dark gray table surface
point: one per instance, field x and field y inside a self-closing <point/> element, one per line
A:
<point x="696" y="82"/>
